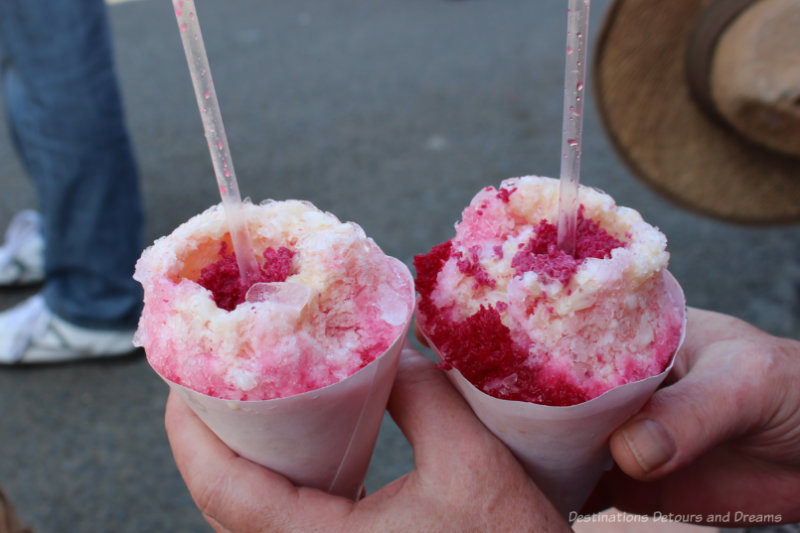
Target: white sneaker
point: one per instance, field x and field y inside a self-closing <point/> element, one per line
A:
<point x="31" y="333"/>
<point x="22" y="254"/>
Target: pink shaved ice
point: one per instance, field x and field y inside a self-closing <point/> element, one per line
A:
<point x="328" y="302"/>
<point x="522" y="320"/>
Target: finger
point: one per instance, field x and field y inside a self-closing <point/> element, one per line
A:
<point x="183" y="428"/>
<point x="211" y="470"/>
<point x="458" y="462"/>
<point x="616" y="489"/>
<point x="234" y="493"/>
<point x="714" y="402"/>
<point x="703" y="325"/>
<point x="419" y="335"/>
<point x="429" y="410"/>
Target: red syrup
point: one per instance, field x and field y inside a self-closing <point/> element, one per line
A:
<point x="542" y="255"/>
<point x="480" y="346"/>
<point x="223" y="280"/>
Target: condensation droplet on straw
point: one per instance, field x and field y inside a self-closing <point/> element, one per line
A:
<point x="197" y="61"/>
<point x="184" y="27"/>
<point x="577" y="28"/>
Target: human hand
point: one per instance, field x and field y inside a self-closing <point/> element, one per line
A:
<point x="723" y="438"/>
<point x="464" y="479"/>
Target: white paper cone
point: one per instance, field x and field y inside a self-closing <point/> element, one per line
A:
<point x="565" y="449"/>
<point x="322" y="438"/>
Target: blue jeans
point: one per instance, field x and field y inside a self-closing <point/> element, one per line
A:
<point x="67" y="122"/>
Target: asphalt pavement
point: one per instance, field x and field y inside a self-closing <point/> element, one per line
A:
<point x="389" y="113"/>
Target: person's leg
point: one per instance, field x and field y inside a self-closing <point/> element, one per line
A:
<point x="66" y="117"/>
<point x="9" y="521"/>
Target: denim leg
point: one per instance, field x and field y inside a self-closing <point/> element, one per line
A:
<point x="66" y="117"/>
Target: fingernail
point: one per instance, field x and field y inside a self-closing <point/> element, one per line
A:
<point x="650" y="443"/>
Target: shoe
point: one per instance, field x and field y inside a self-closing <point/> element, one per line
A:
<point x="22" y="254"/>
<point x="30" y="333"/>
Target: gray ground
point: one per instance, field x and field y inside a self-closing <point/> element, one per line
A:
<point x="388" y="113"/>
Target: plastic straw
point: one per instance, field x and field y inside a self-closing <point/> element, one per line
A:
<point x="572" y="128"/>
<point x="192" y="38"/>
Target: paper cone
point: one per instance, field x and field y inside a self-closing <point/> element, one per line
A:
<point x="322" y="438"/>
<point x="565" y="449"/>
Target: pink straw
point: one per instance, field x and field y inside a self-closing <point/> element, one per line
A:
<point x="196" y="57"/>
<point x="574" y="76"/>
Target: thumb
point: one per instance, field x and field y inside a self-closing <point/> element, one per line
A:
<point x="439" y="425"/>
<point x="712" y="403"/>
<point x="424" y="404"/>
